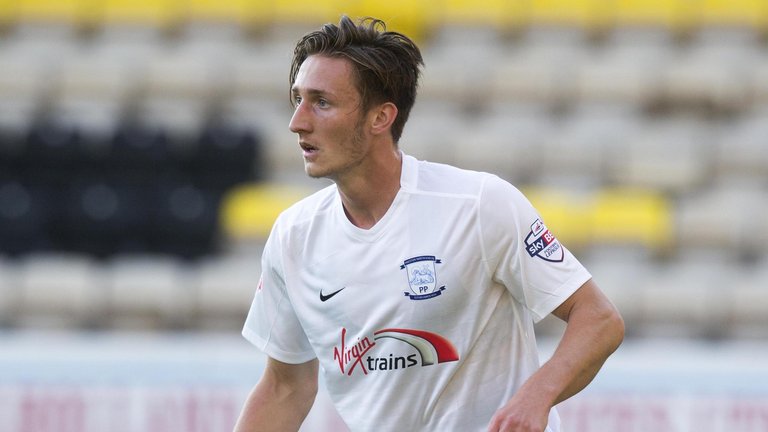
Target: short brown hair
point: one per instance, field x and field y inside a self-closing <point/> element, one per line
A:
<point x="387" y="64"/>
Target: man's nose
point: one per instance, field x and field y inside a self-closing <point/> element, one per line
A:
<point x="300" y="120"/>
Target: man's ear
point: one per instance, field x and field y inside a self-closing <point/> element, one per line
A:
<point x="383" y="117"/>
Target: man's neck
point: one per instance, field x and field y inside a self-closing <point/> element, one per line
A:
<point x="367" y="198"/>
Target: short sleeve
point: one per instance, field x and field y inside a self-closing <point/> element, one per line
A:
<point x="272" y="324"/>
<point x="522" y="253"/>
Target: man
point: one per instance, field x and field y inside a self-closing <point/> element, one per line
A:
<point x="414" y="285"/>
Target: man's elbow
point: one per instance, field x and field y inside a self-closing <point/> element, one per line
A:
<point x="613" y="325"/>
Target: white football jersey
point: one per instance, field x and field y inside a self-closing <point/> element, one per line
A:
<point x="425" y="321"/>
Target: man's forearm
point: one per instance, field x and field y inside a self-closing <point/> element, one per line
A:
<point x="279" y="402"/>
<point x="265" y="413"/>
<point x="590" y="337"/>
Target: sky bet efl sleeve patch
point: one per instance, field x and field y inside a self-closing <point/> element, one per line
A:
<point x="541" y="243"/>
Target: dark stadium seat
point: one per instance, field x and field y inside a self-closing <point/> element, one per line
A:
<point x="52" y="153"/>
<point x="225" y="156"/>
<point x="139" y="154"/>
<point x="103" y="218"/>
<point x="184" y="219"/>
<point x="23" y="218"/>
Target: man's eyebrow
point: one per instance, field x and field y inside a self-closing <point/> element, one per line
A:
<point x="310" y="91"/>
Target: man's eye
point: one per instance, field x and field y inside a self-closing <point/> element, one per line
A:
<point x="297" y="100"/>
<point x="322" y="103"/>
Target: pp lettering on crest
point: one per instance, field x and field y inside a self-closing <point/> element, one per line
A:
<point x="422" y="277"/>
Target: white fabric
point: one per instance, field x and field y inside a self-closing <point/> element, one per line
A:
<point x="433" y="329"/>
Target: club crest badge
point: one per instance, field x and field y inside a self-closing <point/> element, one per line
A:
<point x="541" y="243"/>
<point x="422" y="277"/>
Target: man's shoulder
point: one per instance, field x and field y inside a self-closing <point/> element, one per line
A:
<point x="305" y="209"/>
<point x="443" y="178"/>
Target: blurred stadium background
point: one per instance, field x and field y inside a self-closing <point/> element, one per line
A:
<point x="144" y="153"/>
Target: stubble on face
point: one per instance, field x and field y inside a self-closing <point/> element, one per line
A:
<point x="350" y="150"/>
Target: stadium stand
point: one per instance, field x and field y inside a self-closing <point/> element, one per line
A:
<point x="144" y="147"/>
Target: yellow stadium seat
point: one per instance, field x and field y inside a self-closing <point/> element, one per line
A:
<point x="747" y="13"/>
<point x="8" y="9"/>
<point x="567" y="215"/>
<point x="576" y="13"/>
<point x="249" y="211"/>
<point x="502" y="14"/>
<point x="632" y="216"/>
<point x="153" y="13"/>
<point x="57" y="11"/>
<point x="414" y="18"/>
<point x="229" y="11"/>
<point x="670" y="14"/>
<point x="306" y="11"/>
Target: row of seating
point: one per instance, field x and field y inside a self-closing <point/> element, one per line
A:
<point x="699" y="294"/>
<point x="60" y="290"/>
<point x="720" y="70"/>
<point x="414" y="16"/>
<point x="138" y="190"/>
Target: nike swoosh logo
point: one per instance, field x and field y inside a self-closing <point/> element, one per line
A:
<point x="326" y="297"/>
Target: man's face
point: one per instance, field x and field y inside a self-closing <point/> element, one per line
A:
<point x="328" y="117"/>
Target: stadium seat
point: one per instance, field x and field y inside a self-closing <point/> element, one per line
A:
<point x="10" y="293"/>
<point x="92" y="96"/>
<point x="500" y="15"/>
<point x="249" y="210"/>
<point x="414" y="18"/>
<point x="60" y="290"/>
<point x="579" y="143"/>
<point x="621" y="272"/>
<point x="241" y="13"/>
<point x="740" y="148"/>
<point x="622" y="73"/>
<point x="175" y="95"/>
<point x="566" y="214"/>
<point x="261" y="73"/>
<point x="24" y="218"/>
<point x="53" y="153"/>
<point x="672" y="154"/>
<point x="747" y="303"/>
<point x="724" y="216"/>
<point x="758" y="80"/>
<point x="147" y="292"/>
<point x="159" y="14"/>
<point x="140" y="155"/>
<point x="466" y="82"/>
<point x="587" y="15"/>
<point x="505" y="140"/>
<point x="626" y="216"/>
<point x="24" y="85"/>
<point x="184" y="219"/>
<point x="673" y="16"/>
<point x="685" y="297"/>
<point x="224" y="287"/>
<point x="712" y="73"/>
<point x="434" y="131"/>
<point x="750" y="14"/>
<point x="269" y="119"/>
<point x="307" y="12"/>
<point x="539" y="69"/>
<point x="102" y="218"/>
<point x="74" y="13"/>
<point x="225" y="156"/>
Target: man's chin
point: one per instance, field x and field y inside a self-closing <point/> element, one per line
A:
<point x="313" y="172"/>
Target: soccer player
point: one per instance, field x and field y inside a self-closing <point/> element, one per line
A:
<point x="413" y="286"/>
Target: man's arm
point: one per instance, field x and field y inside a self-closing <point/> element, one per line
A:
<point x="281" y="399"/>
<point x="593" y="332"/>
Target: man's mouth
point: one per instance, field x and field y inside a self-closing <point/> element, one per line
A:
<point x="307" y="148"/>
